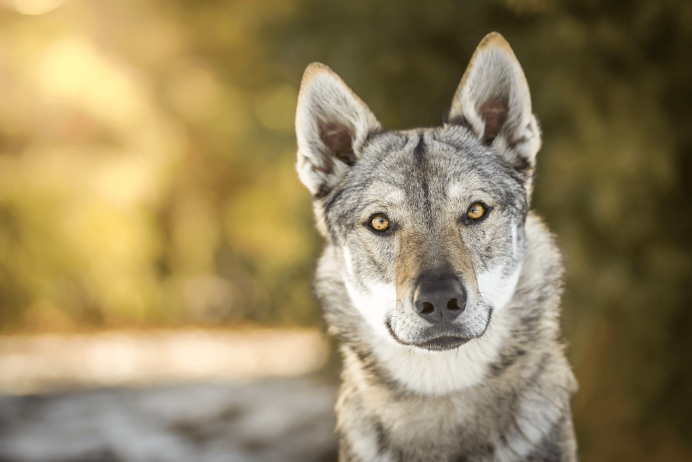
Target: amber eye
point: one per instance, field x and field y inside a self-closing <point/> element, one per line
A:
<point x="379" y="222"/>
<point x="476" y="211"/>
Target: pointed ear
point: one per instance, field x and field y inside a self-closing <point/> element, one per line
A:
<point x="332" y="125"/>
<point x="493" y="100"/>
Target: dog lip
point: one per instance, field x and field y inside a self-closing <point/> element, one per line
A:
<point x="440" y="343"/>
<point x="446" y="342"/>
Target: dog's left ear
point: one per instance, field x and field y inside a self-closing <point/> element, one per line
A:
<point x="493" y="100"/>
<point x="332" y="125"/>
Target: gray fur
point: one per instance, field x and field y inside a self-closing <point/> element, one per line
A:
<point x="502" y="392"/>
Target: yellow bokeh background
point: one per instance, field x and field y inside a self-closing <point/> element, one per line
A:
<point x="147" y="179"/>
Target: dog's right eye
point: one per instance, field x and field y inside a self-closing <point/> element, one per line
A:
<point x="379" y="222"/>
<point x="476" y="211"/>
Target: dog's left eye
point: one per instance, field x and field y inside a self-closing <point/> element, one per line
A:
<point x="379" y="222"/>
<point x="476" y="213"/>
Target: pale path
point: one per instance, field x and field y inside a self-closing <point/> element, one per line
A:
<point x="52" y="362"/>
<point x="271" y="420"/>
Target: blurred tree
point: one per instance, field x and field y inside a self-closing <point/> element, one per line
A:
<point x="146" y="174"/>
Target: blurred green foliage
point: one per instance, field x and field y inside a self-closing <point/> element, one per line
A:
<point x="146" y="176"/>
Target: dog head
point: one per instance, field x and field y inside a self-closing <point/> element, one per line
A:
<point x="428" y="224"/>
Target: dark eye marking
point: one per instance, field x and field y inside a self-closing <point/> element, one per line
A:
<point x="476" y="213"/>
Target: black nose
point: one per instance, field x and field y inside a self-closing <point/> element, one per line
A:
<point x="439" y="298"/>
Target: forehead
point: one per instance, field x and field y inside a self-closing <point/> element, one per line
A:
<point x="426" y="168"/>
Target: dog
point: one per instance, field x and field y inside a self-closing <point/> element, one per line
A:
<point x="441" y="285"/>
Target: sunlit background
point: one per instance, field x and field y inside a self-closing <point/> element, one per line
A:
<point x="153" y="230"/>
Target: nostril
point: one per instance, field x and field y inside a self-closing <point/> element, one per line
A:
<point x="427" y="308"/>
<point x="452" y="305"/>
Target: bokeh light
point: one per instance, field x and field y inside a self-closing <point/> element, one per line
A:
<point x="147" y="182"/>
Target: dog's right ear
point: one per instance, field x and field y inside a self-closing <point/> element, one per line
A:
<point x="332" y="125"/>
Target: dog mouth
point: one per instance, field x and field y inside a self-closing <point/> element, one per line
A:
<point x="446" y="342"/>
<point x="443" y="341"/>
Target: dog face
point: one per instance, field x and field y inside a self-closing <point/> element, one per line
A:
<point x="427" y="224"/>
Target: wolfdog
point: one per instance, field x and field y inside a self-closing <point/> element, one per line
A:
<point x="441" y="285"/>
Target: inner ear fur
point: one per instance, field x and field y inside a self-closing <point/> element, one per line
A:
<point x="493" y="100"/>
<point x="332" y="125"/>
<point x="339" y="142"/>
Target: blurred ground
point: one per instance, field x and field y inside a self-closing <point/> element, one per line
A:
<point x="165" y="395"/>
<point x="50" y="362"/>
<point x="287" y="420"/>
